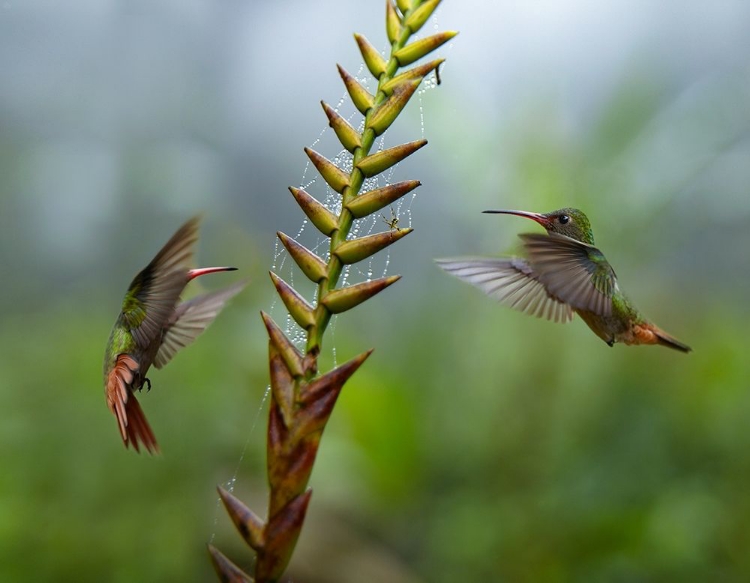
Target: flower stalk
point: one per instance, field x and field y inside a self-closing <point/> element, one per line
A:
<point x="302" y="399"/>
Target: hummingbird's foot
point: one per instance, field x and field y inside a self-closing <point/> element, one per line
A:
<point x="610" y="343"/>
<point x="146" y="381"/>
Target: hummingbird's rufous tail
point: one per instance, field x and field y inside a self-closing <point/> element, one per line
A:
<point x="138" y="428"/>
<point x="650" y="334"/>
<point x="122" y="402"/>
<point x="667" y="340"/>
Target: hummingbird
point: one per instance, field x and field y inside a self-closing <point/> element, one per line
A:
<point x="153" y="326"/>
<point x="563" y="273"/>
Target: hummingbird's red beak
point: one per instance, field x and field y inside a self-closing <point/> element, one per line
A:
<point x="541" y="219"/>
<point x="193" y="273"/>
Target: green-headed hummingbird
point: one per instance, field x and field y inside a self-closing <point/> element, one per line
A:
<point x="153" y="326"/>
<point x="562" y="274"/>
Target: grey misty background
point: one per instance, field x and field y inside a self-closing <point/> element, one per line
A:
<point x="120" y="119"/>
<point x="116" y="115"/>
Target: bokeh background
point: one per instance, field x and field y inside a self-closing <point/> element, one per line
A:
<point x="476" y="444"/>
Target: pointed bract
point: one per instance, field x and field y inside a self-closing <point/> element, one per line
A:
<point x="290" y="461"/>
<point x="227" y="571"/>
<point x="418" y="72"/>
<point x="282" y="385"/>
<point x="286" y="349"/>
<point x="389" y="110"/>
<point x="316" y="414"/>
<point x="320" y="216"/>
<point x="336" y="178"/>
<point x="311" y="265"/>
<point x="363" y="100"/>
<point x="418" y="49"/>
<point x="380" y="161"/>
<point x="247" y="522"/>
<point x="347" y="135"/>
<point x="283" y="532"/>
<point x="298" y="308"/>
<point x="337" y="377"/>
<point x="392" y="22"/>
<point x="371" y="202"/>
<point x="346" y="298"/>
<point x="355" y="250"/>
<point x="419" y="16"/>
<point x="373" y="59"/>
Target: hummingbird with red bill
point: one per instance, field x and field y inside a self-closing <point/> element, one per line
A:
<point x="562" y="274"/>
<point x="153" y="326"/>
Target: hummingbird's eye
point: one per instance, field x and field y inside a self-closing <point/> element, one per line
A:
<point x="564" y="219"/>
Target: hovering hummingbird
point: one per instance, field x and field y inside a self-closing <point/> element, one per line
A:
<point x="153" y="326"/>
<point x="564" y="273"/>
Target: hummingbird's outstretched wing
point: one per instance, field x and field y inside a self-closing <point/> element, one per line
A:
<point x="512" y="282"/>
<point x="154" y="292"/>
<point x="191" y="318"/>
<point x="572" y="271"/>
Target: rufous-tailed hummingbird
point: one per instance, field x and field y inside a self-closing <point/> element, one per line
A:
<point x="153" y="326"/>
<point x="562" y="274"/>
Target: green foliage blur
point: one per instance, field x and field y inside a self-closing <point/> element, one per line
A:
<point x="476" y="443"/>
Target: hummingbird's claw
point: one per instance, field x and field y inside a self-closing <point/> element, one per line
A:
<point x="146" y="381"/>
<point x="610" y="343"/>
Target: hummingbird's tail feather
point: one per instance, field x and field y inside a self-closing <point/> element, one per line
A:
<point x="650" y="334"/>
<point x="138" y="428"/>
<point x="666" y="340"/>
<point x="122" y="402"/>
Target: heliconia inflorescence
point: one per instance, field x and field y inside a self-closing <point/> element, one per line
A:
<point x="302" y="399"/>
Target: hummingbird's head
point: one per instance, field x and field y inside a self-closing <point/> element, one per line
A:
<point x="570" y="222"/>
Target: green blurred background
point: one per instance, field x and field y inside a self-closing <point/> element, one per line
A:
<point x="476" y="444"/>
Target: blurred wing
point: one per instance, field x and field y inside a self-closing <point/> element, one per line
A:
<point x="190" y="319"/>
<point x="575" y="272"/>
<point x="512" y="282"/>
<point x="154" y="292"/>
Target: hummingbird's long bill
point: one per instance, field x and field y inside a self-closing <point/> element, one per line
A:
<point x="539" y="218"/>
<point x="193" y="273"/>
